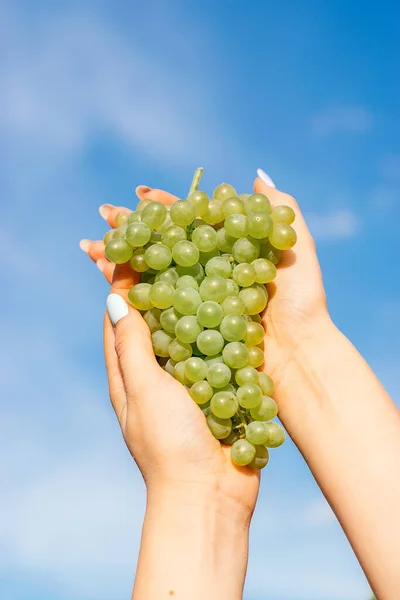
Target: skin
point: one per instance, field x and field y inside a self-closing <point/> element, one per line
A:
<point x="331" y="403"/>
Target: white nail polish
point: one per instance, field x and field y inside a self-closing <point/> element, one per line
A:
<point x="117" y="308"/>
<point x="266" y="178"/>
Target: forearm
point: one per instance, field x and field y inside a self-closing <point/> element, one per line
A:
<point x="348" y="430"/>
<point x="193" y="546"/>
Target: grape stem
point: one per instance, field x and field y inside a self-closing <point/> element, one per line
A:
<point x="196" y="180"/>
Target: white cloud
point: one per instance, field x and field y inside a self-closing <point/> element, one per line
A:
<point x="342" y="119"/>
<point x="338" y="224"/>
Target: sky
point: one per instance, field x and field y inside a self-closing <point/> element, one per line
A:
<point x="99" y="97"/>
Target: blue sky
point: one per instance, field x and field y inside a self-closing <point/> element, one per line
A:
<point x="99" y="97"/>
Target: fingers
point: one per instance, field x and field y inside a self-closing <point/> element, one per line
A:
<point x="145" y="193"/>
<point x="95" y="251"/>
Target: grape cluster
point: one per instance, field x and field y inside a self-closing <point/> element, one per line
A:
<point x="204" y="264"/>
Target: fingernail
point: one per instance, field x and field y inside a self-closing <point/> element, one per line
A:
<point x="101" y="264"/>
<point x="266" y="178"/>
<point x="104" y="210"/>
<point x="84" y="245"/>
<point x="142" y="189"/>
<point x="117" y="308"/>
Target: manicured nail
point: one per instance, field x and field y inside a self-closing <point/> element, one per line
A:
<point x="105" y="209"/>
<point x="117" y="308"/>
<point x="141" y="190"/>
<point x="266" y="178"/>
<point x="101" y="264"/>
<point x="84" y="245"/>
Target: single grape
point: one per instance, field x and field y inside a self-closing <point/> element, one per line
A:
<point x="195" y="271"/>
<point x="134" y="217"/>
<point x="224" y="240"/>
<point x="245" y="250"/>
<point x="223" y="191"/>
<point x="218" y="266"/>
<point x="154" y="214"/>
<point x="142" y="204"/>
<point x="199" y="200"/>
<point x="236" y="225"/>
<point x="218" y="375"/>
<point x="233" y="288"/>
<point x="119" y="232"/>
<point x="187" y="329"/>
<point x="283" y="214"/>
<point x="242" y="453"/>
<point x="179" y="351"/>
<point x="206" y="256"/>
<point x="235" y="355"/>
<point x="138" y="262"/>
<point x="152" y="319"/>
<point x="201" y="392"/>
<point x="179" y="373"/>
<point x="172" y="235"/>
<point x="139" y="296"/>
<point x="227" y="388"/>
<point x="220" y="428"/>
<point x="256" y="433"/>
<point x="212" y="360"/>
<point x="256" y="318"/>
<point x="260" y="459"/>
<point x="230" y="439"/>
<point x="232" y="206"/>
<point x="118" y="251"/>
<point x="186" y="300"/>
<point x="108" y="236"/>
<point x="270" y="253"/>
<point x="182" y="213"/>
<point x="283" y="236"/>
<point x="121" y="218"/>
<point x="161" y="294"/>
<point x="254" y="333"/>
<point x="246" y="375"/>
<point x="195" y="369"/>
<point x="161" y="341"/>
<point x="138" y="234"/>
<point x="233" y="305"/>
<point x="214" y="212"/>
<point x="209" y="314"/>
<point x="265" y="270"/>
<point x="158" y="257"/>
<point x="213" y="288"/>
<point x="170" y="366"/>
<point x="259" y="225"/>
<point x="266" y="411"/>
<point x="187" y="281"/>
<point x="275" y="434"/>
<point x="196" y="351"/>
<point x="254" y="300"/>
<point x="169" y="319"/>
<point x="257" y="202"/>
<point x="205" y="238"/>
<point x="224" y="405"/>
<point x="233" y="328"/>
<point x="266" y="384"/>
<point x="249" y="395"/>
<point x="210" y="342"/>
<point x="256" y="356"/>
<point x="168" y="275"/>
<point x="244" y="274"/>
<point x="185" y="254"/>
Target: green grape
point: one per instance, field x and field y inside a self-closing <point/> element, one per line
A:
<point x="187" y="329"/>
<point x="256" y="433"/>
<point x="254" y="333"/>
<point x="266" y="384"/>
<point x="185" y="254"/>
<point x="245" y="250"/>
<point x="283" y="214"/>
<point x="227" y="388"/>
<point x="205" y="238"/>
<point x="246" y="375"/>
<point x="138" y="262"/>
<point x="179" y="373"/>
<point x="232" y="305"/>
<point x="195" y="271"/>
<point x="198" y="222"/>
<point x="275" y="434"/>
<point x="256" y="318"/>
<point x="224" y="405"/>
<point x="256" y="356"/>
<point x="206" y="256"/>
<point x="155" y="237"/>
<point x="179" y="351"/>
<point x="236" y="225"/>
<point x="244" y="275"/>
<point x="187" y="281"/>
<point x="233" y="288"/>
<point x="220" y="428"/>
<point x="119" y="232"/>
<point x="283" y="236"/>
<point x="154" y="215"/>
<point x="134" y="217"/>
<point x="243" y="197"/>
<point x="249" y="395"/>
<point x="199" y="200"/>
<point x="186" y="301"/>
<point x="259" y="225"/>
<point x="172" y="235"/>
<point x="232" y="206"/>
<point x="260" y="459"/>
<point x="233" y="328"/>
<point x="182" y="213"/>
<point x="224" y="240"/>
<point x="264" y="269"/>
<point x="170" y="367"/>
<point x="195" y="369"/>
<point x="210" y="342"/>
<point x="158" y="257"/>
<point x="168" y="275"/>
<point x="161" y="341"/>
<point x="166" y="225"/>
<point x="209" y="314"/>
<point x="118" y="251"/>
<point x="214" y="212"/>
<point x="218" y="265"/>
<point x="139" y="296"/>
<point x="109" y="236"/>
<point x="230" y="439"/>
<point x="219" y="375"/>
<point x="270" y="253"/>
<point x="152" y="319"/>
<point x="266" y="411"/>
<point x="212" y="360"/>
<point x="122" y="218"/>
<point x="201" y="392"/>
<point x="224" y="191"/>
<point x="138" y="234"/>
<point x="257" y="203"/>
<point x="235" y="355"/>
<point x="161" y="294"/>
<point x="142" y="204"/>
<point x="213" y="288"/>
<point x="254" y="300"/>
<point x="242" y="453"/>
<point x="169" y="318"/>
<point x="196" y="351"/>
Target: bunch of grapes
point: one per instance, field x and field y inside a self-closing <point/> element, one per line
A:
<point x="203" y="266"/>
